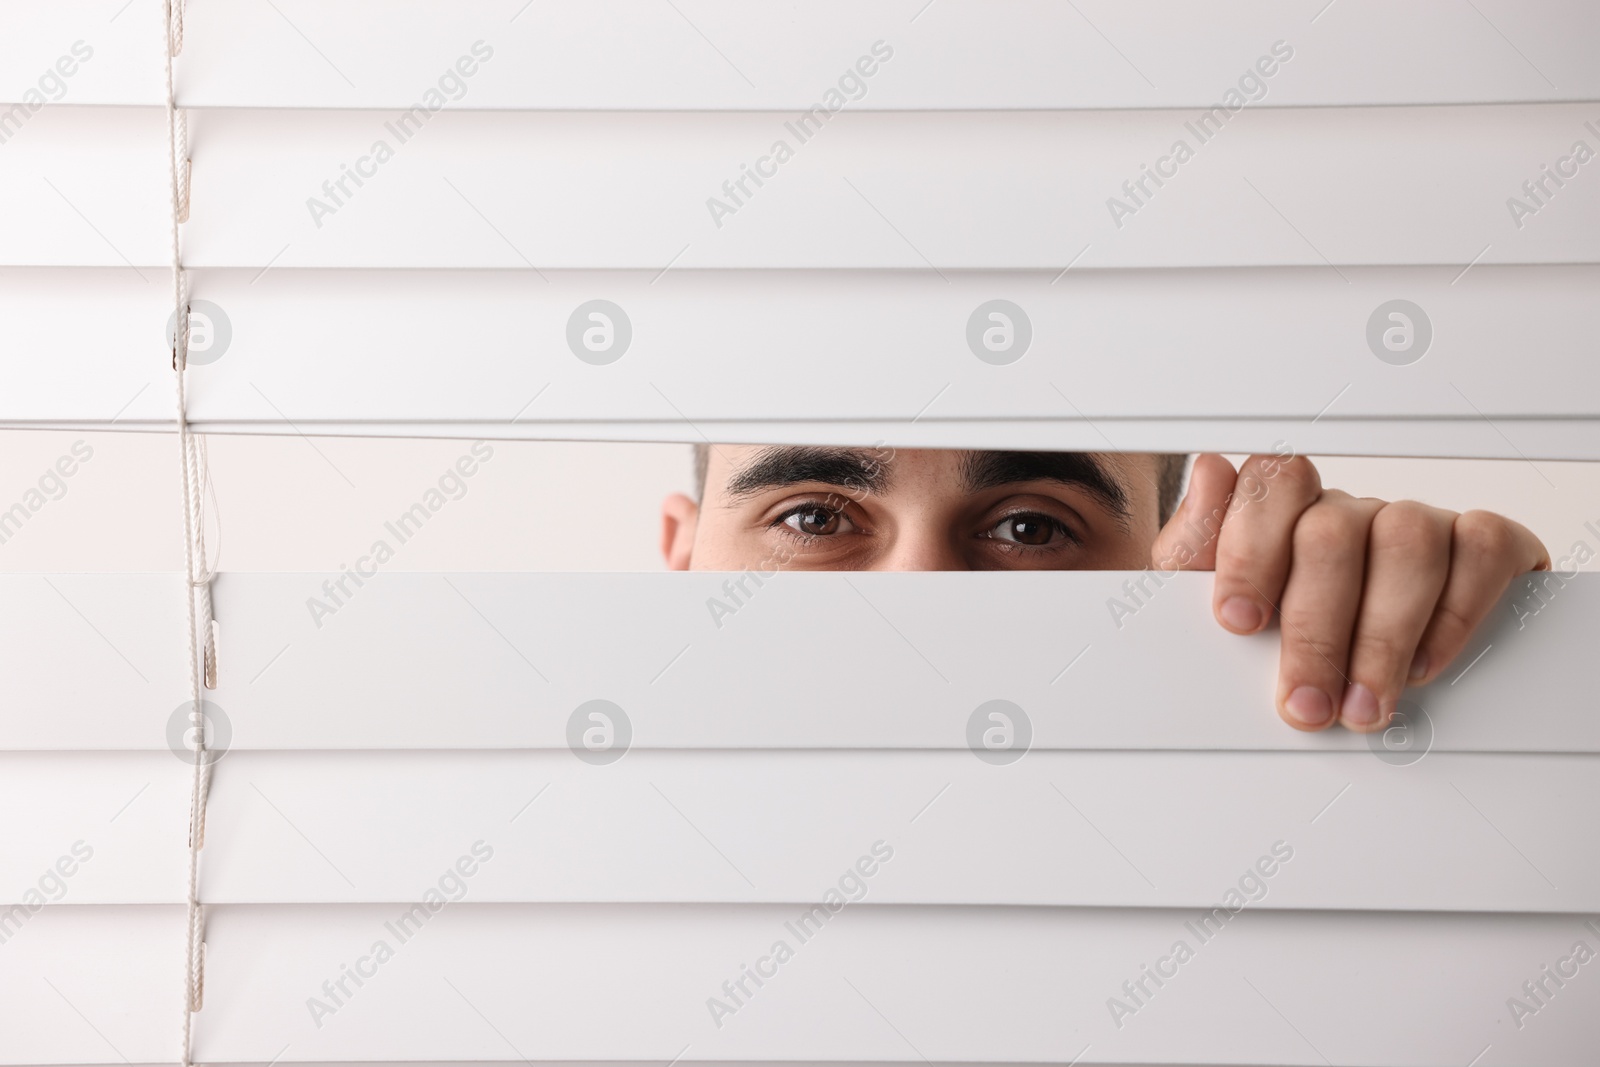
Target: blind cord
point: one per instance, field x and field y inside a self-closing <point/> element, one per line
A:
<point x="197" y="575"/>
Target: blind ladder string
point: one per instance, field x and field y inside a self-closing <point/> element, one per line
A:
<point x="197" y="574"/>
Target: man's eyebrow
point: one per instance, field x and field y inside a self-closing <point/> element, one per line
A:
<point x="991" y="470"/>
<point x="858" y="469"/>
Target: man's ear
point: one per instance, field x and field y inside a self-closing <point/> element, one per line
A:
<point x="679" y="515"/>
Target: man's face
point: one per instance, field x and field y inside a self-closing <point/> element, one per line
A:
<point x="822" y="508"/>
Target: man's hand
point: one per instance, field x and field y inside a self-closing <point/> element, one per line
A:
<point x="1373" y="596"/>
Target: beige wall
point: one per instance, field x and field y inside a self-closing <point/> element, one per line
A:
<point x="290" y="504"/>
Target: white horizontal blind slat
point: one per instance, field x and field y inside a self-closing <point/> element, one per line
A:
<point x="720" y="55"/>
<point x="630" y="983"/>
<point x="1179" y="828"/>
<point x="431" y="661"/>
<point x="1247" y="360"/>
<point x="1285" y="187"/>
<point x="92" y="985"/>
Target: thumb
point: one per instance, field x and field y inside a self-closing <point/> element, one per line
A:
<point x="1189" y="539"/>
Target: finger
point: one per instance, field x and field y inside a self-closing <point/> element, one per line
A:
<point x="1486" y="552"/>
<point x="1188" y="541"/>
<point x="1408" y="559"/>
<point x="1255" y="545"/>
<point x="1319" y="606"/>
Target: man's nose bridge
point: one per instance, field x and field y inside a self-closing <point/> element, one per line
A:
<point x="924" y="546"/>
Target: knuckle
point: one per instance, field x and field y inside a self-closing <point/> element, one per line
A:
<point x="1240" y="555"/>
<point x="1329" y="533"/>
<point x="1296" y="474"/>
<point x="1449" y="628"/>
<point x="1483" y="536"/>
<point x="1311" y="655"/>
<point x="1381" y="656"/>
<point x="1410" y="528"/>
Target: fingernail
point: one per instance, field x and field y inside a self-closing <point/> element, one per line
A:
<point x="1310" y="706"/>
<point x="1419" y="666"/>
<point x="1240" y="613"/>
<point x="1360" y="705"/>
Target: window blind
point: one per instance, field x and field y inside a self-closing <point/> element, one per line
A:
<point x="421" y="762"/>
<point x="516" y="195"/>
<point x="361" y="756"/>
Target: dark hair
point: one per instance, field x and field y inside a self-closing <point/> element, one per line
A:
<point x="1170" y="469"/>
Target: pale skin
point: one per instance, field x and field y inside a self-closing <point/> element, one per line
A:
<point x="1371" y="595"/>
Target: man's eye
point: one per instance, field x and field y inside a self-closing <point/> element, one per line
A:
<point x="1036" y="530"/>
<point x="813" y="520"/>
